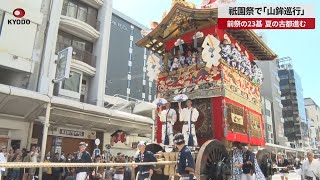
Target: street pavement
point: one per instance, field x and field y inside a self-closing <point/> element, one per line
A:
<point x="292" y="176"/>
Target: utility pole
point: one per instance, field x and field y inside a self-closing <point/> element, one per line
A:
<point x="62" y="72"/>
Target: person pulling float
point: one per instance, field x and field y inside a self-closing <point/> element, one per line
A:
<point x="185" y="162"/>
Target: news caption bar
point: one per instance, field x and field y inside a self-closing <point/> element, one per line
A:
<point x="244" y="16"/>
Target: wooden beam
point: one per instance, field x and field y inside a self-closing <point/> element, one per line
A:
<point x="159" y="48"/>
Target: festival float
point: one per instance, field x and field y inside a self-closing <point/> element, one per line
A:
<point x="219" y="74"/>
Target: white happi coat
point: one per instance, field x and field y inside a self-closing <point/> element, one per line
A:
<point x="185" y="117"/>
<point x="171" y="116"/>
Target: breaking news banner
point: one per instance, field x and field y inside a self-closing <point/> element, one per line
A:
<point x="262" y="16"/>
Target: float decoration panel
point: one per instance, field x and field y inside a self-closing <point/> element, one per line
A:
<point x="236" y="119"/>
<point x="195" y="81"/>
<point x="240" y="88"/>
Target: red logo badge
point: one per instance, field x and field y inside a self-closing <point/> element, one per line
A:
<point x="18" y="13"/>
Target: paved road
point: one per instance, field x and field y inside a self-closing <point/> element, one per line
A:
<point x="292" y="176"/>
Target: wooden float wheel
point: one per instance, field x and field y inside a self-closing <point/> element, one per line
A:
<point x="213" y="162"/>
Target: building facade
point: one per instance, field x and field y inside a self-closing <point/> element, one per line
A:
<point x="126" y="74"/>
<point x="296" y="125"/>
<point x="75" y="107"/>
<point x="270" y="90"/>
<point x="20" y="53"/>
<point x="313" y="115"/>
<point x="268" y="120"/>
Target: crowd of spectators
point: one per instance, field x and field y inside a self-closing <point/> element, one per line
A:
<point x="66" y="173"/>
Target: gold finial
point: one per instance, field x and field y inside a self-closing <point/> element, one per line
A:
<point x="164" y="14"/>
<point x="183" y="2"/>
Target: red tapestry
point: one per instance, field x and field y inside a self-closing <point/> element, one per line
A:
<point x="257" y="138"/>
<point x="218" y="123"/>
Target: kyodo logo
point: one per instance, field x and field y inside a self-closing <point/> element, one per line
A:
<point x="19" y="14"/>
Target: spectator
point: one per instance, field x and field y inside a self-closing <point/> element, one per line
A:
<point x="266" y="166"/>
<point x="119" y="174"/>
<point x="297" y="163"/>
<point x="69" y="170"/>
<point x="16" y="171"/>
<point x="310" y="168"/>
<point x="62" y="157"/>
<point x="47" y="172"/>
<point x="127" y="170"/>
<point x="56" y="171"/>
<point x="98" y="173"/>
<point x="3" y="159"/>
<point x="24" y="153"/>
<point x="34" y="155"/>
<point x="110" y="174"/>
<point x="248" y="164"/>
<point x="282" y="162"/>
<point x="10" y="155"/>
<point x="27" y="158"/>
<point x="82" y="157"/>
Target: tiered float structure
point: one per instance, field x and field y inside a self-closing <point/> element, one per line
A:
<point x="223" y="81"/>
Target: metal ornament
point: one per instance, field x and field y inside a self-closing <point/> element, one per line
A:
<point x="195" y="38"/>
<point x="153" y="67"/>
<point x="211" y="51"/>
<point x="179" y="43"/>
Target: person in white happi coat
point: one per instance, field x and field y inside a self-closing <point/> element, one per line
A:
<point x="168" y="117"/>
<point x="189" y="116"/>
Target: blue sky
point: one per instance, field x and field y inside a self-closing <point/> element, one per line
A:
<point x="300" y="45"/>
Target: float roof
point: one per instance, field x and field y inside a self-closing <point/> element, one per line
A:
<point x="170" y="29"/>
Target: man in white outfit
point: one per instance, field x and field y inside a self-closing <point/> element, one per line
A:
<point x="168" y="117"/>
<point x="310" y="167"/>
<point x="189" y="116"/>
<point x="3" y="159"/>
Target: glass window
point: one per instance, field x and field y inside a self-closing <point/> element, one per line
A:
<point x="64" y="40"/>
<point x="72" y="9"/>
<point x="73" y="83"/>
<point x="268" y="113"/>
<point x="82" y="13"/>
<point x="1" y="19"/>
<point x="77" y="43"/>
<point x="93" y="12"/>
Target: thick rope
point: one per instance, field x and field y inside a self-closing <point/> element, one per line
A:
<point x="44" y="164"/>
